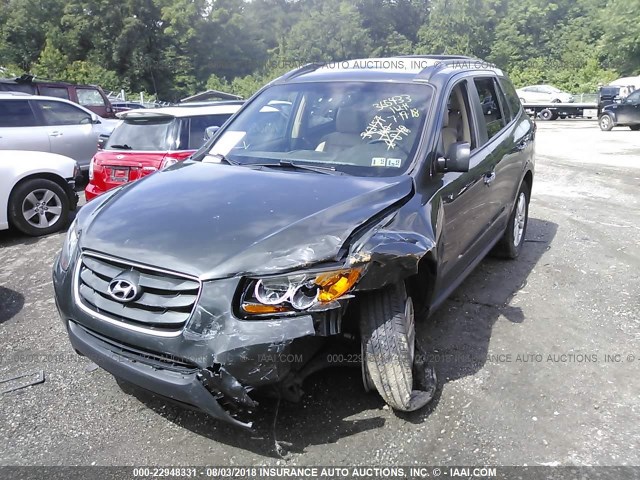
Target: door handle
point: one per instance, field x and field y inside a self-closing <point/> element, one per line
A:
<point x="55" y="134"/>
<point x="489" y="177"/>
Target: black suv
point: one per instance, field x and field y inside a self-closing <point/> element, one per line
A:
<point x="623" y="114"/>
<point x="340" y="204"/>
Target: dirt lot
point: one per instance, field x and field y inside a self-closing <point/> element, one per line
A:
<point x="538" y="359"/>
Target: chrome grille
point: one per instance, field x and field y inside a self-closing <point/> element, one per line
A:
<point x="163" y="307"/>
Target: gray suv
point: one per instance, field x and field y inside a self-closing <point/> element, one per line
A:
<point x="337" y="208"/>
<point x="48" y="124"/>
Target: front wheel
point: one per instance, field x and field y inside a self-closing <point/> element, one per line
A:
<point x="634" y="127"/>
<point x="511" y="242"/>
<point x="387" y="328"/>
<point x="38" y="207"/>
<point x="606" y="123"/>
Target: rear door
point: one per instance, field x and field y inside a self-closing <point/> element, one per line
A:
<point x="70" y="130"/>
<point x="19" y="127"/>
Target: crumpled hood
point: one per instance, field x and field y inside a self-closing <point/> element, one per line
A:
<point x="215" y="221"/>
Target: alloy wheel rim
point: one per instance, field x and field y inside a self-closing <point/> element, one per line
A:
<point x="519" y="219"/>
<point x="605" y="122"/>
<point x="42" y="208"/>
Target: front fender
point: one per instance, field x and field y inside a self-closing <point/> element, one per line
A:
<point x="394" y="248"/>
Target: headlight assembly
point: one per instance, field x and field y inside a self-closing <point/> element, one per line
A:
<point x="69" y="245"/>
<point x="296" y="292"/>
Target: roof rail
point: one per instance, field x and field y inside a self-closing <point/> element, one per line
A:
<point x="441" y="57"/>
<point x="309" y="67"/>
<point x="445" y="61"/>
<point x="12" y="93"/>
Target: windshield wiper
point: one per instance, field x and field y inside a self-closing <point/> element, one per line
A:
<point x="121" y="147"/>
<point x="298" y="166"/>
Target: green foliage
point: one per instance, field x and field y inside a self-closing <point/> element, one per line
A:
<point x="174" y="48"/>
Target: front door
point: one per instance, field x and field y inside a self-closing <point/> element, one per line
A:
<point x="464" y="196"/>
<point x="628" y="112"/>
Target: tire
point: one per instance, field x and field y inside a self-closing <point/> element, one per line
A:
<point x="635" y="128"/>
<point x="555" y="100"/>
<point x="546" y="115"/>
<point x="606" y="123"/>
<point x="510" y="245"/>
<point x="387" y="328"/>
<point x="38" y="207"/>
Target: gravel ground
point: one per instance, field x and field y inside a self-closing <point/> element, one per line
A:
<point x="537" y="359"/>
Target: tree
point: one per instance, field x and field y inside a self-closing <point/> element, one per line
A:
<point x="621" y="39"/>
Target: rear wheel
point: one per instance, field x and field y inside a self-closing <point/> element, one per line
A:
<point x="546" y="115"/>
<point x="387" y="328"/>
<point x="38" y="207"/>
<point x="606" y="123"/>
<point x="511" y="242"/>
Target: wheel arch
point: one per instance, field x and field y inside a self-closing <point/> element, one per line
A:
<point x="612" y="115"/>
<point x="40" y="175"/>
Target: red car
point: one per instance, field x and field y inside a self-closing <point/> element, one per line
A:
<point x="148" y="140"/>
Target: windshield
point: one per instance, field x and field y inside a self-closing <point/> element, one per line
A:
<point x="364" y="128"/>
<point x="145" y="134"/>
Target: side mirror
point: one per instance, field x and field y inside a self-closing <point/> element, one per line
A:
<point x="95" y="118"/>
<point x="102" y="140"/>
<point x="210" y="132"/>
<point x="457" y="158"/>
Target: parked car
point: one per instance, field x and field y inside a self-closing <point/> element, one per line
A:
<point x="91" y="97"/>
<point x="37" y="191"/>
<point x="342" y="202"/>
<point x="126" y="106"/>
<point x="48" y="124"/>
<point x="543" y="94"/>
<point x="623" y="114"/>
<point x="149" y="140"/>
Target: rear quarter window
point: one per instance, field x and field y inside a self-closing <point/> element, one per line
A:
<point x="511" y="96"/>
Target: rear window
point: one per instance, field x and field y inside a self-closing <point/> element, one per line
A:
<point x="146" y="134"/>
<point x="16" y="113"/>
<point x="198" y="125"/>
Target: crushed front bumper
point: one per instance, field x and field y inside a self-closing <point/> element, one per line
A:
<point x="211" y="366"/>
<point x="186" y="387"/>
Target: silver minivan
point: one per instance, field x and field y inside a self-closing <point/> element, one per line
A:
<point x="49" y="124"/>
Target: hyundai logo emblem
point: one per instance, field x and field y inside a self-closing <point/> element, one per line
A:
<point x="123" y="290"/>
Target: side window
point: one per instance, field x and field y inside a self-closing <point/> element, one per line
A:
<point x="511" y="96"/>
<point x="90" y="97"/>
<point x="16" y="113"/>
<point x="198" y="125"/>
<point x="59" y="92"/>
<point x="457" y="125"/>
<point x="634" y="98"/>
<point x="59" y="113"/>
<point x="491" y="108"/>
